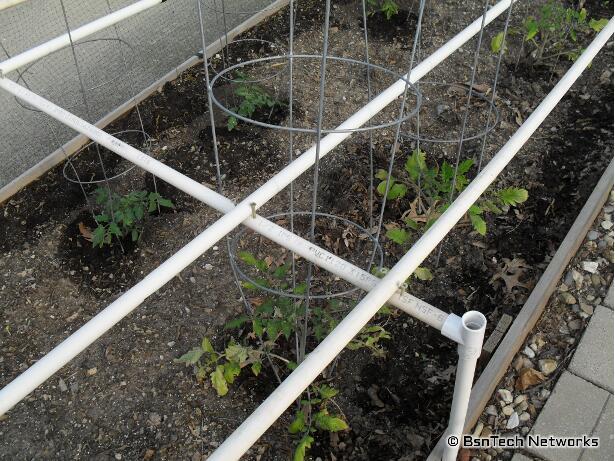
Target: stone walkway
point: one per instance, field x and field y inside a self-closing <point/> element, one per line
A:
<point x="582" y="400"/>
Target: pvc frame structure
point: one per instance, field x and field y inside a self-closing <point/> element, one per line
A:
<point x="92" y="330"/>
<point x="468" y="331"/>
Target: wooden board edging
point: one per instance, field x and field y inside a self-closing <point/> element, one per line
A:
<point x="534" y="306"/>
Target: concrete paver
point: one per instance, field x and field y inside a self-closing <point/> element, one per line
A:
<point x="572" y="410"/>
<point x="593" y="359"/>
<point x="604" y="430"/>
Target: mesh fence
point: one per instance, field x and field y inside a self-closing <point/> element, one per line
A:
<point x="112" y="65"/>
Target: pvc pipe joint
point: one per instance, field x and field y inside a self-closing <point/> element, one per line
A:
<point x="468" y="331"/>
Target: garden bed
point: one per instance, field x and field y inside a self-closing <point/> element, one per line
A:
<point x="125" y="398"/>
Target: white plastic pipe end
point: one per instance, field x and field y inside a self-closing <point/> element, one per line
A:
<point x="467" y="331"/>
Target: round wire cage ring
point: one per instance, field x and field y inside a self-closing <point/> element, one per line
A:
<point x="435" y="108"/>
<point x="97" y="76"/>
<point x="212" y="5"/>
<point x="114" y="160"/>
<point x="368" y="67"/>
<point x="352" y="229"/>
<point x="252" y="44"/>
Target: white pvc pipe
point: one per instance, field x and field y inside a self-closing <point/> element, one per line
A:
<point x="292" y="387"/>
<point x="4" y="4"/>
<point x="97" y="326"/>
<point x="473" y="326"/>
<point x="61" y="41"/>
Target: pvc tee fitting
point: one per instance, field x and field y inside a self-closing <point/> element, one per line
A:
<point x="468" y="331"/>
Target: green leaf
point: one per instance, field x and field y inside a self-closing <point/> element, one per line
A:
<point x="231" y="123"/>
<point x="247" y="258"/>
<point x="327" y="392"/>
<point x="281" y="271"/>
<point x="298" y="425"/>
<point x="396" y="191"/>
<point x="478" y="223"/>
<point x="512" y="196"/>
<point x="422" y="273"/>
<point x="165" y="202"/>
<point x="398" y="235"/>
<point x="329" y="423"/>
<point x="488" y="205"/>
<point x="531" y="29"/>
<point x="291" y="365"/>
<point x="218" y="381"/>
<point x="206" y="346"/>
<point x="382" y="175"/>
<point x="236" y="353"/>
<point x="114" y="229"/>
<point x="415" y="164"/>
<point x="231" y="371"/>
<point x="300" y="288"/>
<point x="465" y="166"/>
<point x="598" y="24"/>
<point x="302" y="447"/>
<point x="236" y="322"/>
<point x="98" y="236"/>
<point x="497" y="42"/>
<point x="257" y="327"/>
<point x="256" y="368"/>
<point x="134" y="234"/>
<point x="191" y="357"/>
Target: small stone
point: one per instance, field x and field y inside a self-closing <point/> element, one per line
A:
<point x="520" y="398"/>
<point x="590" y="266"/>
<point x="505" y="395"/>
<point x="606" y="225"/>
<point x="487" y="431"/>
<point x="567" y="298"/>
<point x="547" y="366"/>
<point x="192" y="280"/>
<point x="524" y="417"/>
<point x="578" y="279"/>
<point x="529" y="352"/>
<point x="575" y="325"/>
<point x="62" y="385"/>
<point x="589" y="310"/>
<point x="91" y="371"/>
<point x="508" y="410"/>
<point x="596" y="282"/>
<point x="521" y="407"/>
<point x="491" y="410"/>
<point x="208" y="267"/>
<point x="513" y="421"/>
<point x="540" y="342"/>
<point x="593" y="235"/>
<point x="171" y="343"/>
<point x="118" y="456"/>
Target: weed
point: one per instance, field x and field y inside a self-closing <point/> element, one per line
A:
<point x="123" y="216"/>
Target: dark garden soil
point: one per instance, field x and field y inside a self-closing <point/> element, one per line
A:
<point x="125" y="398"/>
